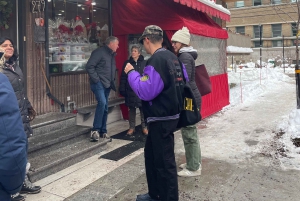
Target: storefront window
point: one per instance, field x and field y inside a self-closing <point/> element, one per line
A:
<point x="8" y="26"/>
<point x="76" y="28"/>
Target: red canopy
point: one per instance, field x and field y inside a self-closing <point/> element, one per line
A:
<point x="206" y="8"/>
<point x="132" y="16"/>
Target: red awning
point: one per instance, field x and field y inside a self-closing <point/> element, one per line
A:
<point x="208" y="7"/>
<point x="132" y="16"/>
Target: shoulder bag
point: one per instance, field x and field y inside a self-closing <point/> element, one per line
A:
<point x="202" y="80"/>
<point x="190" y="113"/>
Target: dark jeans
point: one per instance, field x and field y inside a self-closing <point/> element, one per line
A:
<point x="100" y="119"/>
<point x="160" y="162"/>
<point x="132" y="114"/>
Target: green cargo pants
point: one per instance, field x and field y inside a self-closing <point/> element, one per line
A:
<point x="192" y="147"/>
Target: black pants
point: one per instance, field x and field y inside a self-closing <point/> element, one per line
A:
<point x="160" y="162"/>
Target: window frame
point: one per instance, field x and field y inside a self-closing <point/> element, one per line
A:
<point x="236" y="29"/>
<point x="273" y="42"/>
<point x="256" y="42"/>
<point x="258" y="31"/>
<point x="253" y="2"/>
<point x="294" y="29"/>
<point x="274" y="31"/>
<point x="276" y="2"/>
<point x="239" y="6"/>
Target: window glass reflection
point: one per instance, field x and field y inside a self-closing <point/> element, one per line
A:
<point x="76" y="28"/>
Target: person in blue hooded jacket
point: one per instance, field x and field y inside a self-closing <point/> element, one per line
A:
<point x="13" y="142"/>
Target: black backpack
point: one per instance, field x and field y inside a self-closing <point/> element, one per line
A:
<point x="190" y="114"/>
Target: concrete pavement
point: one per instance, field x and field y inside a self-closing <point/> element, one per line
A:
<point x="240" y="161"/>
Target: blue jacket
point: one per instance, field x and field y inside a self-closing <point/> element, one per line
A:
<point x="13" y="141"/>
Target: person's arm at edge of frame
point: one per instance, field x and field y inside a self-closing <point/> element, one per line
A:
<point x="91" y="65"/>
<point x="148" y="86"/>
<point x="13" y="140"/>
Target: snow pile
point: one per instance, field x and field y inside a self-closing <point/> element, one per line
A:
<point x="234" y="49"/>
<point x="249" y="84"/>
<point x="291" y="130"/>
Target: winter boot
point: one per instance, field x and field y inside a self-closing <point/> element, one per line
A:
<point x="29" y="187"/>
<point x="17" y="197"/>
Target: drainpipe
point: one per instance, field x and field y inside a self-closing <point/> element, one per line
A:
<point x="48" y="92"/>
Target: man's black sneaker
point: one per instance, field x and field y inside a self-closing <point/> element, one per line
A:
<point x="17" y="197"/>
<point x="144" y="197"/>
<point x="29" y="187"/>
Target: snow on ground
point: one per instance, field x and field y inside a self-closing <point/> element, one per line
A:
<point x="248" y="85"/>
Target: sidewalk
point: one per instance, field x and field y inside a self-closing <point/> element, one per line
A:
<point x="239" y="159"/>
<point x="240" y="156"/>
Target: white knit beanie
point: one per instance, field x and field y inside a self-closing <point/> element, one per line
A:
<point x="183" y="36"/>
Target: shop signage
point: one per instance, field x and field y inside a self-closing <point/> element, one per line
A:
<point x="37" y="6"/>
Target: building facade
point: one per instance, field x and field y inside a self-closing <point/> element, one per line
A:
<point x="277" y="21"/>
<point x="55" y="38"/>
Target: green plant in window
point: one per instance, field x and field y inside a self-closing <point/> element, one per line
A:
<point x="5" y="13"/>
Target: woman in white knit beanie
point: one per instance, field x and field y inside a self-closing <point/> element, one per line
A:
<point x="187" y="55"/>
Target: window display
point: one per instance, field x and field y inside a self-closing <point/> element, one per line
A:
<point x="76" y="28"/>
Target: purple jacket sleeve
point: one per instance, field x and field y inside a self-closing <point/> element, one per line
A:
<point x="185" y="73"/>
<point x="148" y="86"/>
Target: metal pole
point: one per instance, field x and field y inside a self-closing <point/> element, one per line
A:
<point x="232" y="63"/>
<point x="260" y="45"/>
<point x="283" y="53"/>
<point x="297" y="73"/>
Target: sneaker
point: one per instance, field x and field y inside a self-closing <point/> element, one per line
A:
<point x="106" y="136"/>
<point x="94" y="136"/>
<point x="17" y="197"/>
<point x="144" y="197"/>
<point x="29" y="187"/>
<point x="188" y="173"/>
<point x="183" y="166"/>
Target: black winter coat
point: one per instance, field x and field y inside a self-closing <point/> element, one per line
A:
<point x="101" y="66"/>
<point x="188" y="59"/>
<point x="17" y="81"/>
<point x="131" y="99"/>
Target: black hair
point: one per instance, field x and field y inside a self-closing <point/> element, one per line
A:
<point x="15" y="56"/>
<point x="155" y="38"/>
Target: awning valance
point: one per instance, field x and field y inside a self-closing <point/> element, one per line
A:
<point x="207" y="6"/>
<point x="132" y="16"/>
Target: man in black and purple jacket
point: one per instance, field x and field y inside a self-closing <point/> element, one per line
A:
<point x="160" y="88"/>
